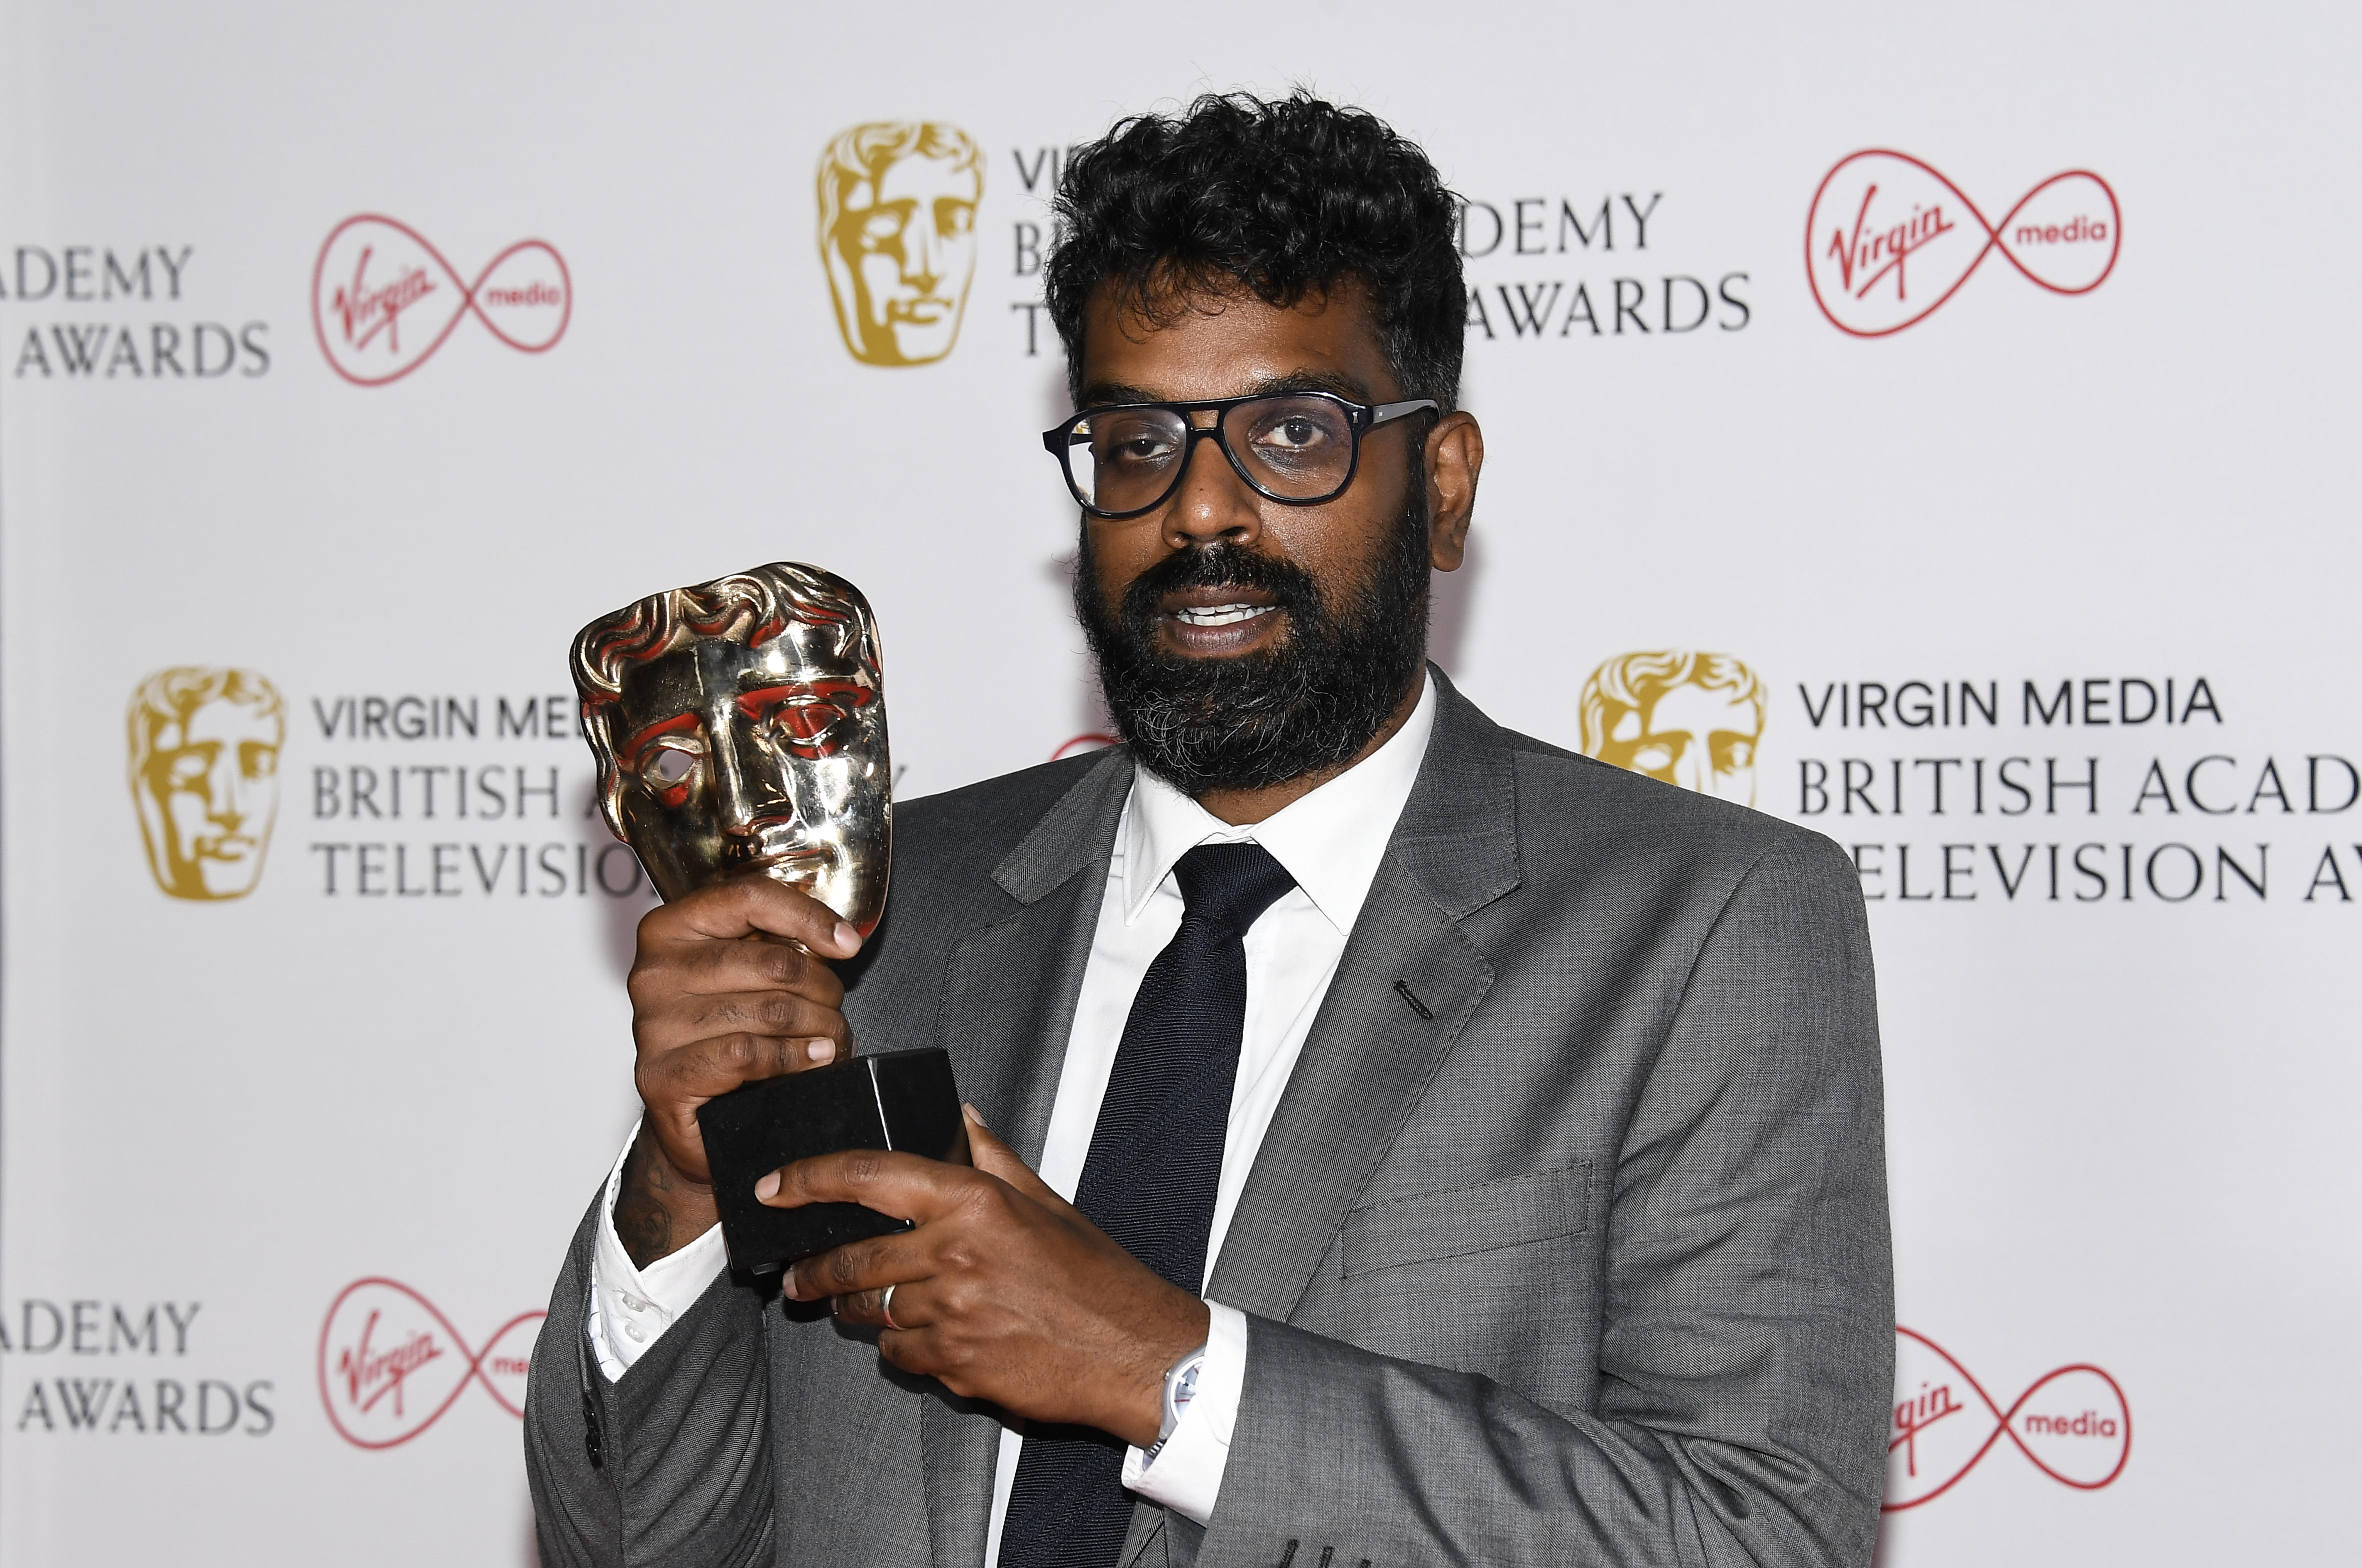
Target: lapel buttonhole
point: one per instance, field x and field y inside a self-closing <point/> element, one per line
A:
<point x="1410" y="996"/>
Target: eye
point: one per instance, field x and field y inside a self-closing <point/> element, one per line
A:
<point x="1135" y="442"/>
<point x="259" y="762"/>
<point x="882" y="225"/>
<point x="1291" y="434"/>
<point x="1654" y="757"/>
<point x="670" y="772"/>
<point x="806" y="726"/>
<point x="189" y="769"/>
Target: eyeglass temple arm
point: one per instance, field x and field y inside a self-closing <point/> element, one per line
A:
<point x="1383" y="412"/>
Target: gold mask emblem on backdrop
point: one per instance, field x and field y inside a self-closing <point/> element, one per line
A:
<point x="205" y="776"/>
<point x="1690" y="718"/>
<point x="898" y="202"/>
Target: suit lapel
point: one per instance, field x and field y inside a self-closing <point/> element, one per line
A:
<point x="1373" y="1049"/>
<point x="1009" y="1002"/>
<point x="1008" y="1006"/>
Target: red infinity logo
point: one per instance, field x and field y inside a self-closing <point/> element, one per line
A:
<point x="2072" y="1424"/>
<point x="383" y="300"/>
<point x="391" y="1363"/>
<point x="1889" y="239"/>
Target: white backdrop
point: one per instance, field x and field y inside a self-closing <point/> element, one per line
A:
<point x="286" y="1174"/>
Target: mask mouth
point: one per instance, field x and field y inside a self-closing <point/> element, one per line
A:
<point x="776" y="844"/>
<point x="926" y="310"/>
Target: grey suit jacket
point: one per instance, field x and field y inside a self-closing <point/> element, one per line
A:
<point x="1568" y="1243"/>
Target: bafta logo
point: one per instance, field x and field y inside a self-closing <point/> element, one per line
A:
<point x="897" y="234"/>
<point x="204" y="774"/>
<point x="1690" y="718"/>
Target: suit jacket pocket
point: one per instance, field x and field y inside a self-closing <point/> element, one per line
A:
<point x="1460" y="1221"/>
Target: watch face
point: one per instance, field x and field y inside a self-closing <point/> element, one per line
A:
<point x="1180" y="1388"/>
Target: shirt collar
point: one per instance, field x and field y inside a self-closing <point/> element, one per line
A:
<point x="1330" y="840"/>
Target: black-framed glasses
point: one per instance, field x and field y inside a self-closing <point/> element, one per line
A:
<point x="1296" y="448"/>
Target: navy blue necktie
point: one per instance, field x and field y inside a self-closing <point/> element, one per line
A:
<point x="1154" y="1166"/>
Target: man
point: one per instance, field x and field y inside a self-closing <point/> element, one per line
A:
<point x="1397" y="1140"/>
<point x="1692" y="720"/>
<point x="205" y="776"/>
<point x="898" y="236"/>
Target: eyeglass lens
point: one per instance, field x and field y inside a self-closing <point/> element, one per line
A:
<point x="1296" y="448"/>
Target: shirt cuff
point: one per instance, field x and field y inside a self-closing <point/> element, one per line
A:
<point x="631" y="1306"/>
<point x="1187" y="1473"/>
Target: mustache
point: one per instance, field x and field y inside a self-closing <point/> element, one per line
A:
<point x="1291" y="588"/>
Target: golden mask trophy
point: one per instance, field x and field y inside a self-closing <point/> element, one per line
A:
<point x="740" y="730"/>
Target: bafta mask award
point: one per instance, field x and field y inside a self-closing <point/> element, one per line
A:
<point x="740" y="730"/>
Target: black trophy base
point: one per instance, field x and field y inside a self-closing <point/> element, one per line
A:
<point x="900" y="1099"/>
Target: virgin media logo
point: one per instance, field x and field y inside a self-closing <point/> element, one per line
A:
<point x="2071" y="1424"/>
<point x="383" y="300"/>
<point x="1889" y="239"/>
<point x="391" y="1363"/>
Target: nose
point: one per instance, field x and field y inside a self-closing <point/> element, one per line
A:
<point x="225" y="792"/>
<point x="925" y="259"/>
<point x="1211" y="502"/>
<point x="746" y="790"/>
<point x="730" y="780"/>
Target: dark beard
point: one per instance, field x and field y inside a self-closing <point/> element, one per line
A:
<point x="1306" y="706"/>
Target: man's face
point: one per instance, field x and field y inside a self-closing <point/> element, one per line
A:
<point x="770" y="758"/>
<point x="1240" y="637"/>
<point x="1701" y="739"/>
<point x="905" y="245"/>
<point x="212" y="785"/>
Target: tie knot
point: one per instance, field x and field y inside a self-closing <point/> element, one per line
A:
<point x="1230" y="885"/>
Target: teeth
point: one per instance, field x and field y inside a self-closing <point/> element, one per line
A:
<point x="1222" y="614"/>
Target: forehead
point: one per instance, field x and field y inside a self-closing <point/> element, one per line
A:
<point x="691" y="677"/>
<point x="1696" y="708"/>
<point x="221" y="720"/>
<point x="924" y="178"/>
<point x="1209" y="345"/>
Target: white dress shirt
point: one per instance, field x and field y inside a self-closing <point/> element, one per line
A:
<point x="1331" y="841"/>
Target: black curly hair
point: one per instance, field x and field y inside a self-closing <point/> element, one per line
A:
<point x="1289" y="198"/>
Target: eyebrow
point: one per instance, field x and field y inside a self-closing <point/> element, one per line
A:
<point x="637" y="740"/>
<point x="1100" y="394"/>
<point x="748" y="702"/>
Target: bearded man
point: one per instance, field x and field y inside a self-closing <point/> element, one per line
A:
<point x="1397" y="1140"/>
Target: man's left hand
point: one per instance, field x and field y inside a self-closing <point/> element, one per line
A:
<point x="1002" y="1292"/>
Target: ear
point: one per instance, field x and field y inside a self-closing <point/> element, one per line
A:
<point x="1455" y="456"/>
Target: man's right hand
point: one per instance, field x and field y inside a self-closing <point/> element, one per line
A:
<point x="722" y="995"/>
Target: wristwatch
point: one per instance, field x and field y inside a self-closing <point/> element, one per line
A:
<point x="1180" y="1388"/>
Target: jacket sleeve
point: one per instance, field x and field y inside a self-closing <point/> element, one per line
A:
<point x="669" y="1465"/>
<point x="1747" y="1352"/>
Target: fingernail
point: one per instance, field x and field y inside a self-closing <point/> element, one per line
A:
<point x="847" y="938"/>
<point x="768" y="1187"/>
<point x="788" y="1287"/>
<point x="821" y="1050"/>
<point x="973" y="1114"/>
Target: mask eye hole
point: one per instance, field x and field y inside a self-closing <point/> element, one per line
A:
<point x="670" y="773"/>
